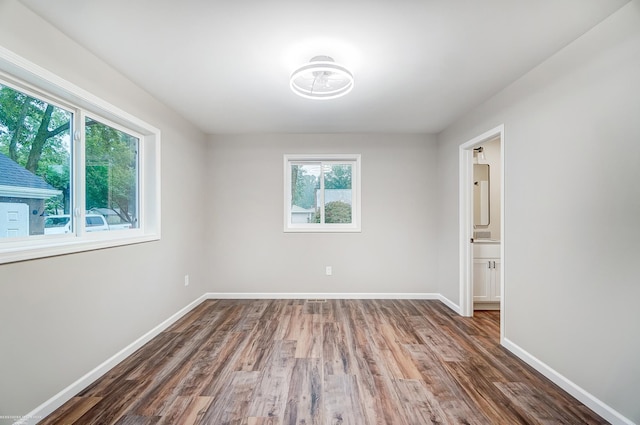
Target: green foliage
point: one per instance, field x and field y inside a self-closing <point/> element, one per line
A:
<point x="335" y="212"/>
<point x="35" y="135"/>
<point x="21" y="119"/>
<point x="304" y="187"/>
<point x="111" y="171"/>
<point x="338" y="177"/>
<point x="58" y="177"/>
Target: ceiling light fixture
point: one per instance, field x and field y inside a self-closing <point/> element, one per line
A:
<point x="321" y="79"/>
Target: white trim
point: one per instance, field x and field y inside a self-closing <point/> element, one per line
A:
<point x="66" y="394"/>
<point x="503" y="238"/>
<point x="446" y="301"/>
<point x="586" y="398"/>
<point x="334" y="296"/>
<point x="53" y="245"/>
<point x="321" y="295"/>
<point x="466" y="230"/>
<point x="466" y="224"/>
<point x="28" y="192"/>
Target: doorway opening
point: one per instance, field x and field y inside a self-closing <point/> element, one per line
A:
<point x="482" y="237"/>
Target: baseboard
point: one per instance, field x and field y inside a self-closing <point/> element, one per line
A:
<point x="579" y="393"/>
<point x="486" y="306"/>
<point x="66" y="394"/>
<point x="322" y="295"/>
<point x="453" y="306"/>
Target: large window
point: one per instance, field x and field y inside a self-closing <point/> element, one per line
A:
<point x="75" y="172"/>
<point x="322" y="193"/>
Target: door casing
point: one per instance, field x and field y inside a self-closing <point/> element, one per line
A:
<point x="466" y="222"/>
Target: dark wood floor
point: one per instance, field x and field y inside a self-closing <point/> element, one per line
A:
<point x="287" y="362"/>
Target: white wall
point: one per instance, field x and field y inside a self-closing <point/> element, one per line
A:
<point x="572" y="209"/>
<point x="395" y="253"/>
<point x="61" y="317"/>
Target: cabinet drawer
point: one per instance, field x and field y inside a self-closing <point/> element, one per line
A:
<point x="486" y="250"/>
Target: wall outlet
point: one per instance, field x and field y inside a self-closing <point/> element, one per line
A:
<point x="186" y="280"/>
<point x="328" y="270"/>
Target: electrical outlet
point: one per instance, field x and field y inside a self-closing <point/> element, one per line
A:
<point x="186" y="280"/>
<point x="328" y="270"/>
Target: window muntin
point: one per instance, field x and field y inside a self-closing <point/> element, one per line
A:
<point x="322" y="193"/>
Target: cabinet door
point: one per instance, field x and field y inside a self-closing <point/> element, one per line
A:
<point x="481" y="280"/>
<point x="495" y="280"/>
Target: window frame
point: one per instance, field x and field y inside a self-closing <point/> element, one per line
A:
<point x="33" y="80"/>
<point x="297" y="159"/>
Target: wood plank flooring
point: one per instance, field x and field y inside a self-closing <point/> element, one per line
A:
<point x="339" y="362"/>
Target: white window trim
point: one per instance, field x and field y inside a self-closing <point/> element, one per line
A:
<point x="43" y="83"/>
<point x="356" y="209"/>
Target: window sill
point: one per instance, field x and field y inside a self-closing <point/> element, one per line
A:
<point x="64" y="246"/>
<point x="290" y="229"/>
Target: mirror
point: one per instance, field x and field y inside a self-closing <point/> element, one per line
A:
<point x="480" y="194"/>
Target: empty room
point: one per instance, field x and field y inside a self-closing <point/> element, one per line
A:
<point x="286" y="212"/>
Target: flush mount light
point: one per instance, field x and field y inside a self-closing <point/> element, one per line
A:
<point x="321" y="78"/>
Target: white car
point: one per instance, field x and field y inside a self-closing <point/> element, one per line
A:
<point x="59" y="224"/>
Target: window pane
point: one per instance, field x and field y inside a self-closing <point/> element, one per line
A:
<point x="111" y="169"/>
<point x="35" y="158"/>
<point x="337" y="193"/>
<point x="305" y="184"/>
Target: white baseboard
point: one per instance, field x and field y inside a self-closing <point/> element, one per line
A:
<point x="579" y="393"/>
<point x="66" y="394"/>
<point x="321" y="295"/>
<point x="453" y="306"/>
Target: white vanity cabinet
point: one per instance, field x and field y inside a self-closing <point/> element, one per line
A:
<point x="486" y="275"/>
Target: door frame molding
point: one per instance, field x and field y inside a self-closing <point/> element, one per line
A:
<point x="466" y="221"/>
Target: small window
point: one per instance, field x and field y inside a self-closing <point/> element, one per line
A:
<point x="322" y="193"/>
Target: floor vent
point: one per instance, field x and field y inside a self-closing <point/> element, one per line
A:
<point x="316" y="300"/>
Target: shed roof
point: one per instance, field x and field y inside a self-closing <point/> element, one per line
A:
<point x="17" y="181"/>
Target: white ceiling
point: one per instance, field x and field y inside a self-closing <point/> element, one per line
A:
<point x="418" y="64"/>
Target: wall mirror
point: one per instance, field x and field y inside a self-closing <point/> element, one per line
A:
<point x="481" y="194"/>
